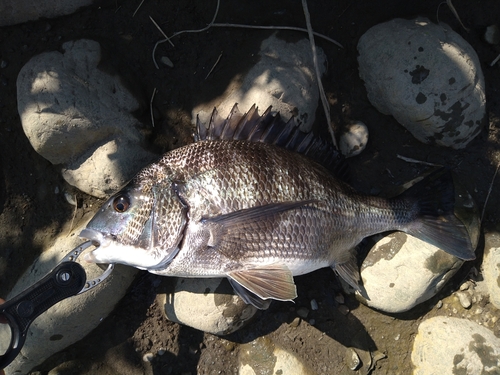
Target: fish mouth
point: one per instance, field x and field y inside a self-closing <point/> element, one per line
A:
<point x="96" y="237"/>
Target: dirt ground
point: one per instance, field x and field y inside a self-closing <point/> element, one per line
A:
<point x="34" y="210"/>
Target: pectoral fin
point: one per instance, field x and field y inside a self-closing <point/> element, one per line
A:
<point x="273" y="281"/>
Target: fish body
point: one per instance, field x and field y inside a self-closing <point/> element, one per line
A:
<point x="259" y="214"/>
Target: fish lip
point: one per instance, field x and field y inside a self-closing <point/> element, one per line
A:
<point x="97" y="238"/>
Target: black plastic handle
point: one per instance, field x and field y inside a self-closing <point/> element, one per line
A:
<point x="64" y="281"/>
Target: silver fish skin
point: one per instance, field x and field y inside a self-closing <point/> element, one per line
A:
<point x="259" y="214"/>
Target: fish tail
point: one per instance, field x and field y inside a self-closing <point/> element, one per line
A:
<point x="434" y="221"/>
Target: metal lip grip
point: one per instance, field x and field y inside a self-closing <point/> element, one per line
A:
<point x="67" y="279"/>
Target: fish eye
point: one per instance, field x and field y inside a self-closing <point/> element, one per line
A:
<point x="121" y="203"/>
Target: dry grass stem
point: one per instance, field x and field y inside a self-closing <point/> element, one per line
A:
<point x="213" y="24"/>
<point x="278" y="28"/>
<point x="410" y="160"/>
<point x="495" y="61"/>
<point x="151" y="107"/>
<point x="489" y="192"/>
<point x="322" y="94"/>
<point x="213" y="67"/>
<point x="453" y="10"/>
<point x="450" y="5"/>
<point x="133" y="15"/>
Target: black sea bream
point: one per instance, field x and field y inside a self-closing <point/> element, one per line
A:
<point x="249" y="201"/>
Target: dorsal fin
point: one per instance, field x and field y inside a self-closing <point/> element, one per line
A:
<point x="270" y="128"/>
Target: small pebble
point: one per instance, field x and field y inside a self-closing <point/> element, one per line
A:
<point x="464" y="286"/>
<point x="295" y="322"/>
<point x="439" y="304"/>
<point x="314" y="305"/>
<point x="352" y="359"/>
<point x="353" y="141"/>
<point x="165" y="60"/>
<point x="148" y="357"/>
<point x="465" y="299"/>
<point x="478" y="311"/>
<point x="4" y="64"/>
<point x="70" y="198"/>
<point x="340" y="298"/>
<point x="344" y="310"/>
<point x="492" y="34"/>
<point x="303" y="312"/>
<point x="161" y="351"/>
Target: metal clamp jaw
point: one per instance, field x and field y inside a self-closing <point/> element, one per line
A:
<point x="67" y="279"/>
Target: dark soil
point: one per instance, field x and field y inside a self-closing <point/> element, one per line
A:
<point x="33" y="212"/>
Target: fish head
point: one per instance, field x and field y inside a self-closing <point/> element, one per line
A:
<point x="140" y="227"/>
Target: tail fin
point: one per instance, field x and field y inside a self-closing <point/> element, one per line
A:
<point x="436" y="223"/>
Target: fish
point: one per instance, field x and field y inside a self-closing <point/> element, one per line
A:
<point x="257" y="201"/>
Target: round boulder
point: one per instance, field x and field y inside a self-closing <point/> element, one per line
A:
<point x="401" y="271"/>
<point x="446" y="345"/>
<point x="426" y="76"/>
<point x="76" y="115"/>
<point x="209" y="305"/>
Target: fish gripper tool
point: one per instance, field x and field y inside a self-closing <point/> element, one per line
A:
<point x="67" y="279"/>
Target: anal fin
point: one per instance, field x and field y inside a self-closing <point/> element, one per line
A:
<point x="274" y="281"/>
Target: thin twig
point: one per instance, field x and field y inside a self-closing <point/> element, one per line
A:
<point x="322" y="94"/>
<point x="151" y="107"/>
<point x="133" y="15"/>
<point x="489" y="192"/>
<point x="213" y="67"/>
<point x="495" y="61"/>
<point x="161" y="31"/>
<point x="213" y="24"/>
<point x="410" y="160"/>
<point x="277" y="28"/>
<point x="456" y="14"/>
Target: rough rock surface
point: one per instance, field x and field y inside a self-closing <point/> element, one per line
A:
<point x="401" y="271"/>
<point x="491" y="266"/>
<point x="284" y="78"/>
<point x="71" y="319"/>
<point x="209" y="305"/>
<point x="17" y="11"/>
<point x="447" y="346"/>
<point x="79" y="116"/>
<point x="426" y="76"/>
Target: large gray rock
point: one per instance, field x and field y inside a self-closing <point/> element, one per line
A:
<point x="18" y="11"/>
<point x="450" y="346"/>
<point x="209" y="305"/>
<point x="491" y="266"/>
<point x="79" y="116"/>
<point x="71" y="319"/>
<point x="284" y="78"/>
<point x="401" y="271"/>
<point x="426" y="76"/>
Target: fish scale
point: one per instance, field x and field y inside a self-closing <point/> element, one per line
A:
<point x="257" y="212"/>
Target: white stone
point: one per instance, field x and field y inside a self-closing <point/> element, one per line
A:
<point x="77" y="115"/>
<point x="426" y="76"/>
<point x="18" y="11"/>
<point x="449" y="346"/>
<point x="262" y="356"/>
<point x="284" y="78"/>
<point x="401" y="271"/>
<point x="491" y="266"/>
<point x="71" y="319"/>
<point x="208" y="305"/>
<point x="354" y="139"/>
